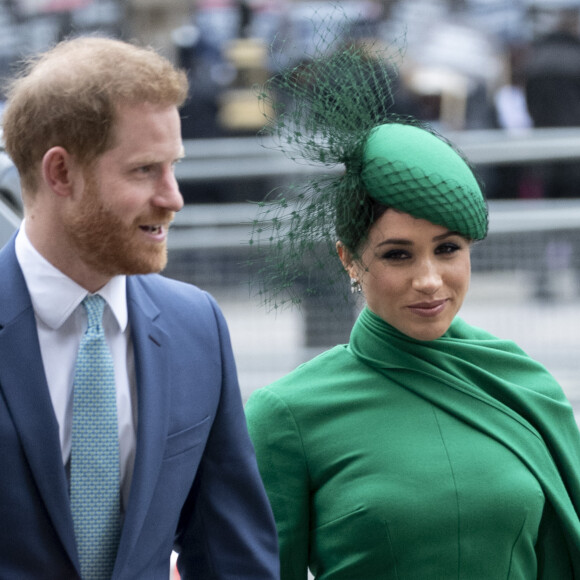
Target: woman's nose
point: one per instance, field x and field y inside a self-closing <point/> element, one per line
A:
<point x="427" y="278"/>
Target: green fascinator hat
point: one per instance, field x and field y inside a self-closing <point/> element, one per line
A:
<point x="414" y="171"/>
<point x="335" y="114"/>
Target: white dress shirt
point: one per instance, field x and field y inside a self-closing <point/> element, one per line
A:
<point x="61" y="321"/>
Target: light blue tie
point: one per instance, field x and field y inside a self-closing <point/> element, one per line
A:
<point x="95" y="481"/>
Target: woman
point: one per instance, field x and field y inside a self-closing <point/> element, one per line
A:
<point x="424" y="448"/>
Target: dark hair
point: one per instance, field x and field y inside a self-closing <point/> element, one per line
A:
<point x="354" y="221"/>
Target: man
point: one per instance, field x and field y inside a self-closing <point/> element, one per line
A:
<point x="93" y="128"/>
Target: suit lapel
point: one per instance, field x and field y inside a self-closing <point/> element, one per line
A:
<point x="23" y="383"/>
<point x="150" y="344"/>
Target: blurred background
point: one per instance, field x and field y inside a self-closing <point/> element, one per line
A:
<point x="500" y="78"/>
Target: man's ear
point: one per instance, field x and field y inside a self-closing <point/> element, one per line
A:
<point x="59" y="171"/>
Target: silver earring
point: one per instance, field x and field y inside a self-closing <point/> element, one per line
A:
<point x="355" y="286"/>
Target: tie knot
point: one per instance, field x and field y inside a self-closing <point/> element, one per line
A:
<point x="95" y="306"/>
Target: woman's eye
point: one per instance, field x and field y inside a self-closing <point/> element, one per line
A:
<point x="447" y="248"/>
<point x="395" y="255"/>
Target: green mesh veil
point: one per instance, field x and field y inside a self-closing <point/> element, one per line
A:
<point x="335" y="112"/>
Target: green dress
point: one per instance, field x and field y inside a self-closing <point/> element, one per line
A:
<point x="391" y="458"/>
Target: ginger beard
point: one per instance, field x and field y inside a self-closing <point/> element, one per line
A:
<point x="109" y="245"/>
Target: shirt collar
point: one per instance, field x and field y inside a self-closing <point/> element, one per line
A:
<point x="54" y="295"/>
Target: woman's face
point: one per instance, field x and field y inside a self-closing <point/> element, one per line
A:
<point x="414" y="274"/>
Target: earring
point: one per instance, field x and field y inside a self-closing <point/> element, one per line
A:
<point x="355" y="286"/>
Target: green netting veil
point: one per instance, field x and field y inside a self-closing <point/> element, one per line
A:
<point x="335" y="114"/>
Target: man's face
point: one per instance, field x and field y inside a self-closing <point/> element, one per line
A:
<point x="119" y="224"/>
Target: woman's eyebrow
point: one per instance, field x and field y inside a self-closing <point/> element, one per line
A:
<point x="406" y="242"/>
<point x="398" y="241"/>
<point x="445" y="235"/>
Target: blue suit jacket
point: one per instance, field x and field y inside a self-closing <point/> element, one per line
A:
<point x="195" y="487"/>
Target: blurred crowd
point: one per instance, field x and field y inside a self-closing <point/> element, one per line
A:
<point x="461" y="64"/>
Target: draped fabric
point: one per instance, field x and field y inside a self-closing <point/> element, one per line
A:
<point x="396" y="459"/>
<point x="498" y="389"/>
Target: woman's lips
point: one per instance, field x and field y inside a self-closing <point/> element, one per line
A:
<point x="428" y="309"/>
